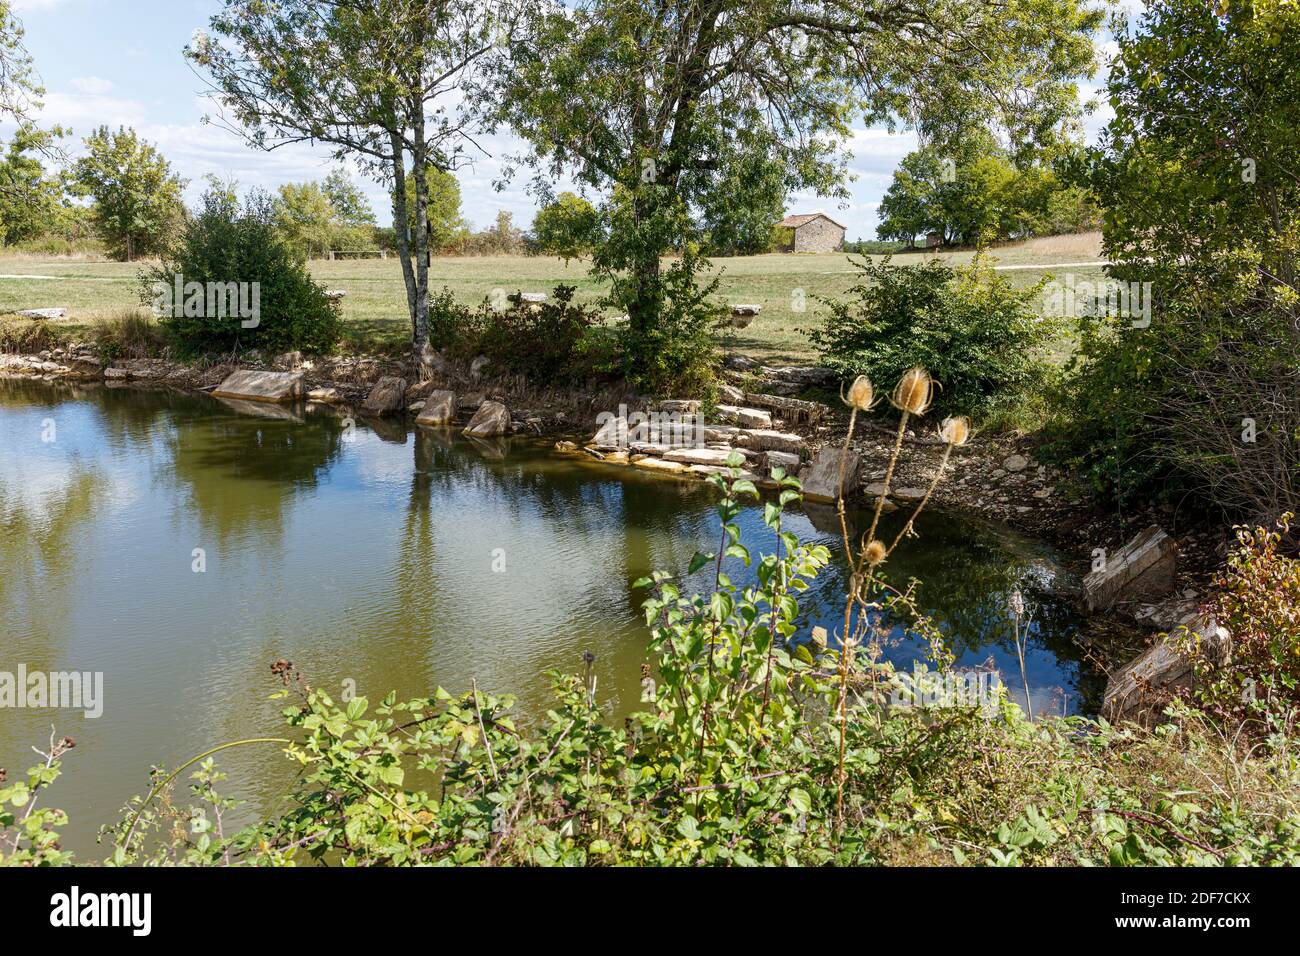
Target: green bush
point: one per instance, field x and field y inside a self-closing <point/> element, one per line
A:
<point x="131" y="334"/>
<point x="554" y="342"/>
<point x="1258" y="602"/>
<point x="677" y="354"/>
<point x="978" y="336"/>
<point x="229" y="243"/>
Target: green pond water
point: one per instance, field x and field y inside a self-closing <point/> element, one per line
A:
<point x="379" y="556"/>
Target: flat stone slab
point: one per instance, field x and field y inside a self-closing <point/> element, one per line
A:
<point x="699" y="456"/>
<point x="1139" y="690"/>
<point x="42" y="313"/>
<point x="255" y="386"/>
<point x="746" y="417"/>
<point x="491" y="419"/>
<point x="710" y="470"/>
<point x="658" y="464"/>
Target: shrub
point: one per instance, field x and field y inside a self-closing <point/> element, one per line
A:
<point x="677" y="354"/>
<point x="229" y="243"/>
<point x="1258" y="602"/>
<point x="979" y="336"/>
<point x="132" y="334"/>
<point x="29" y="336"/>
<point x="554" y="342"/>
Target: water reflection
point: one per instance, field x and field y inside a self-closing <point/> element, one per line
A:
<point x="383" y="557"/>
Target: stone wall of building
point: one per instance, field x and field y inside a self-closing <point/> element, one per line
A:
<point x="819" y="235"/>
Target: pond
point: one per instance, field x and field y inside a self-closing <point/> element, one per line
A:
<point x="179" y="545"/>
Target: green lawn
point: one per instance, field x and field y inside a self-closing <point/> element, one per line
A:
<point x="375" y="302"/>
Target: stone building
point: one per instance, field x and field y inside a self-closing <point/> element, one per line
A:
<point x="814" y="232"/>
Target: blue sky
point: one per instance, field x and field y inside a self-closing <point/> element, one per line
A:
<point x="118" y="62"/>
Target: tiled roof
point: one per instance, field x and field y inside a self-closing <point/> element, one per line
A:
<point x="794" y="222"/>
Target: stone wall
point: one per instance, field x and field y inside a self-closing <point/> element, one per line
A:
<point x="819" y="235"/>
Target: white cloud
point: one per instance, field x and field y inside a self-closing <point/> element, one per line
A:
<point x="91" y="85"/>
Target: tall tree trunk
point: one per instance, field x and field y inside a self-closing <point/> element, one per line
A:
<point x="401" y="219"/>
<point x="420" y="160"/>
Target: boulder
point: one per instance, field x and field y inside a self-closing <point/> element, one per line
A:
<point x="290" y="360"/>
<point x="1143" y="570"/>
<point x="327" y="396"/>
<point x="679" y="406"/>
<point x="252" y="385"/>
<point x="1139" y="690"/>
<point x="1015" y="463"/>
<point x="781" y="459"/>
<point x="821" y="479"/>
<point x="492" y="418"/>
<point x="439" y="408"/>
<point x="387" y="396"/>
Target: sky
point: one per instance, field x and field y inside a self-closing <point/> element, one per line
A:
<point x="118" y="62"/>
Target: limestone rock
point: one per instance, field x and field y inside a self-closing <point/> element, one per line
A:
<point x="821" y="478"/>
<point x="767" y="440"/>
<point x="326" y="396"/>
<point x="658" y="464"/>
<point x="730" y="394"/>
<point x="492" y="418"/>
<point x="42" y="313"/>
<point x="745" y="417"/>
<point x="679" y="406"/>
<point x="699" y="456"/>
<point x="1139" y="690"/>
<point x="1015" y="463"/>
<point x="387" y="396"/>
<point x="1142" y="570"/>
<point x="439" y="408"/>
<point x="251" y="385"/>
<point x="786" y="460"/>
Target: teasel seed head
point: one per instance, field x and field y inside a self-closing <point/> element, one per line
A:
<point x="876" y="552"/>
<point x="914" y="392"/>
<point x="861" y="394"/>
<point x="955" y="431"/>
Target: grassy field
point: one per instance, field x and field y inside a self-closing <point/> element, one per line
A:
<point x="375" y="303"/>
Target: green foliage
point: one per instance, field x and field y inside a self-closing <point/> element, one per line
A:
<point x="130" y="334"/>
<point x="677" y="354"/>
<point x="664" y="111"/>
<point x="312" y="222"/>
<point x="1200" y="202"/>
<point x="229" y="243"/>
<point x="971" y="192"/>
<point x="447" y="227"/>
<point x="31" y="200"/>
<point x="569" y="227"/>
<point x="138" y="209"/>
<point x="978" y="335"/>
<point x="740" y="210"/>
<point x="29" y="336"/>
<point x="565" y="341"/>
<point x="1258" y="601"/>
